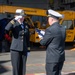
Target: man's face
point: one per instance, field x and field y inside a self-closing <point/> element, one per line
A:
<point x="49" y="20"/>
<point x="22" y="19"/>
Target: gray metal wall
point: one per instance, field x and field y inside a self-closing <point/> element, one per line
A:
<point x="27" y="3"/>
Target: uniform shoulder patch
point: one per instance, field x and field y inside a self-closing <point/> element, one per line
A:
<point x="12" y="22"/>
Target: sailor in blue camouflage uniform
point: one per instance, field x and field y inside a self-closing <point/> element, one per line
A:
<point x="20" y="45"/>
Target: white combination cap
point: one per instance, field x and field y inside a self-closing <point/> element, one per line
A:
<point x="20" y="12"/>
<point x="54" y="14"/>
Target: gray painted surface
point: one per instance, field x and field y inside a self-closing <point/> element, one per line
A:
<point x="27" y="3"/>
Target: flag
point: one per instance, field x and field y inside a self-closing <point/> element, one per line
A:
<point x="40" y="32"/>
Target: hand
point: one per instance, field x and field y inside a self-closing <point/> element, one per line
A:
<point x="7" y="37"/>
<point x="42" y="32"/>
<point x="18" y="17"/>
<point x="41" y="37"/>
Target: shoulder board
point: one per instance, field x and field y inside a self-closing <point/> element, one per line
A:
<point x="12" y="21"/>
